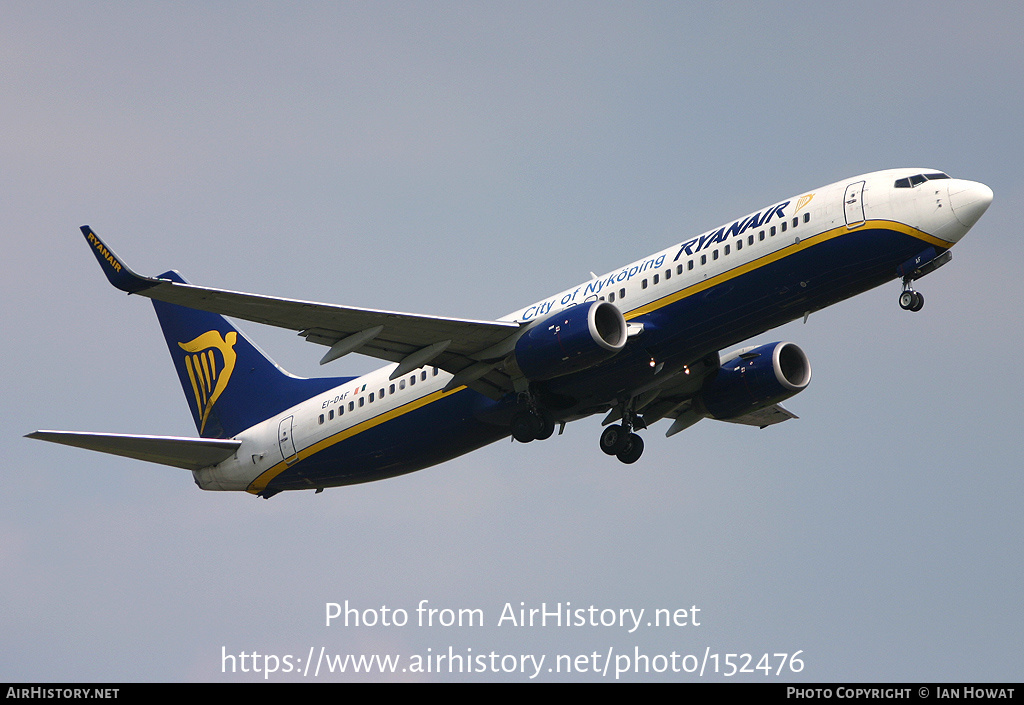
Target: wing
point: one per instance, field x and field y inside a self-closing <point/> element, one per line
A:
<point x="685" y="414"/>
<point x="187" y="453"/>
<point x="468" y="349"/>
<point x="776" y="413"/>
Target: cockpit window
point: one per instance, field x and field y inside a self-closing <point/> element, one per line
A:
<point x="912" y="181"/>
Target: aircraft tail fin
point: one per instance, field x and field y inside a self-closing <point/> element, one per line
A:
<point x="229" y="383"/>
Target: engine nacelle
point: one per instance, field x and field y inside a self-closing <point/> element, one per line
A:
<point x="755" y="378"/>
<point x="571" y="340"/>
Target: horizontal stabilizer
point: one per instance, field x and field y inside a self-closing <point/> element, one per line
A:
<point x="187" y="453"/>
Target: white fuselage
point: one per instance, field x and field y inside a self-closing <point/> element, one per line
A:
<point x="939" y="212"/>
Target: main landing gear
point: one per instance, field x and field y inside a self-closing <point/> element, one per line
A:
<point x="625" y="445"/>
<point x="533" y="424"/>
<point x="620" y="441"/>
<point x="536" y="424"/>
<point x="911" y="300"/>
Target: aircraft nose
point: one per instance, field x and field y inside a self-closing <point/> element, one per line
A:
<point x="969" y="200"/>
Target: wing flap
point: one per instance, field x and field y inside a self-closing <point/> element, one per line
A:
<point x="776" y="413"/>
<point x="179" y="452"/>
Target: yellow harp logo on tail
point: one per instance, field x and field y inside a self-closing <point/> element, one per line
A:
<point x="208" y="379"/>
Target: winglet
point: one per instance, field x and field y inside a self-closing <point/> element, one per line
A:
<point x="117" y="272"/>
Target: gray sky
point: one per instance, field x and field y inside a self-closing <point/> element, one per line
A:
<point x="466" y="160"/>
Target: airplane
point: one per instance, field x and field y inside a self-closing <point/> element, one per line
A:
<point x="640" y="344"/>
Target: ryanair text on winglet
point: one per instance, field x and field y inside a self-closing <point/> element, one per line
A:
<point x="104" y="251"/>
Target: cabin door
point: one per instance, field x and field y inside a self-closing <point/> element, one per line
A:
<point x="853" y="204"/>
<point x="285" y="441"/>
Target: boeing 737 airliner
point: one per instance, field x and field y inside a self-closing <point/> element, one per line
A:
<point x="640" y="343"/>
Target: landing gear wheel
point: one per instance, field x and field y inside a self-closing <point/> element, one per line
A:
<point x="532" y="425"/>
<point x="911" y="300"/>
<point x="633" y="450"/>
<point x="526" y="426"/>
<point x="614" y="439"/>
<point x="547" y="426"/>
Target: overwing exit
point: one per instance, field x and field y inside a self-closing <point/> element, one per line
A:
<point x="639" y="344"/>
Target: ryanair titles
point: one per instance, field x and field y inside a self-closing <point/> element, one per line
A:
<point x="95" y="242"/>
<point x="592" y="289"/>
<point x="756" y="220"/>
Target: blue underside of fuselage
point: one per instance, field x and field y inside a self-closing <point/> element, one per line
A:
<point x="431" y="434"/>
<point x="678" y="333"/>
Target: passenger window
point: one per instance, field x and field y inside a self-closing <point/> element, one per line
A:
<point x="771" y="233"/>
<point x="726" y="249"/>
<point x="679" y="268"/>
<point x="668" y="274"/>
<point x="703" y="259"/>
<point x="655" y="279"/>
<point x="611" y="296"/>
<point x="381" y="395"/>
<point x="689" y="264"/>
<point x="622" y="293"/>
<point x="351" y="405"/>
<point x="796" y="221"/>
<point x="423" y="376"/>
<point x="643" y="284"/>
<point x="412" y="380"/>
<point x="362" y="400"/>
<point x="330" y="414"/>
<point x="807" y="217"/>
<point x="391" y="389"/>
<point x="321" y="418"/>
<point x="371" y="397"/>
<point x="750" y="239"/>
<point x="401" y="384"/>
<point x="714" y="253"/>
<point x="783" y="226"/>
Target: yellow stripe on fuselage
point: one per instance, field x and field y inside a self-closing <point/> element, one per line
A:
<point x="264" y="479"/>
<point x="261" y="482"/>
<point x="778" y="255"/>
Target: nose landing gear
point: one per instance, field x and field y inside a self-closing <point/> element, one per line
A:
<point x="913" y="269"/>
<point x="911" y="300"/>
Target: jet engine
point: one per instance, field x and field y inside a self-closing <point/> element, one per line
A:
<point x="753" y="378"/>
<point x="571" y="340"/>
